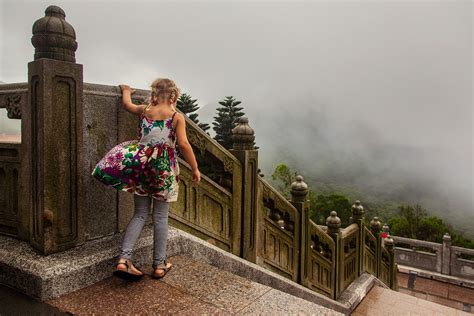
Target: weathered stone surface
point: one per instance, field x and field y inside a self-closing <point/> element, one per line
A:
<point x="53" y="37"/>
<point x="277" y="302"/>
<point x="53" y="124"/>
<point x="382" y="301"/>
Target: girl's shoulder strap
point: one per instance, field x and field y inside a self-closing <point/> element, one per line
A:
<point x="172" y="119"/>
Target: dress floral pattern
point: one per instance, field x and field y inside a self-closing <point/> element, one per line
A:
<point x="147" y="165"/>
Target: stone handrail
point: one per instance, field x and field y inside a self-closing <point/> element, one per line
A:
<point x="13" y="96"/>
<point x="444" y="258"/>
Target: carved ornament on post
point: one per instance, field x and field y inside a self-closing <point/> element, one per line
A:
<point x="333" y="222"/>
<point x="375" y="226"/>
<point x="53" y="37"/>
<point x="299" y="190"/>
<point x="242" y="135"/>
<point x="13" y="106"/>
<point x="358" y="212"/>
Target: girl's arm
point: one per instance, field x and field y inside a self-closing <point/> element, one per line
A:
<point x="185" y="146"/>
<point x="127" y="100"/>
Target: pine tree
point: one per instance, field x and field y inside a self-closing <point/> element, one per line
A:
<point x="226" y="119"/>
<point x="188" y="105"/>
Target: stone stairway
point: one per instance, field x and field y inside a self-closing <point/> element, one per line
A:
<point x="381" y="301"/>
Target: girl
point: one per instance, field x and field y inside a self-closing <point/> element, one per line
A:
<point x="148" y="167"/>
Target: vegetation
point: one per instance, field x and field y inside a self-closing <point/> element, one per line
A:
<point x="409" y="221"/>
<point x="414" y="222"/>
<point x="188" y="106"/>
<point x="227" y="117"/>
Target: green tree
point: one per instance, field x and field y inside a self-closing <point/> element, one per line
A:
<point x="284" y="177"/>
<point x="408" y="222"/>
<point x="325" y="204"/>
<point x="227" y="116"/>
<point x="188" y="106"/>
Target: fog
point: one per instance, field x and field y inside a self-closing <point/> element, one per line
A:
<point x="376" y="95"/>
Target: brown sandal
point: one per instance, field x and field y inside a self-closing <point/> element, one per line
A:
<point x="127" y="275"/>
<point x="166" y="266"/>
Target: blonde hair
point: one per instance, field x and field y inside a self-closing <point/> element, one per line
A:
<point x="164" y="89"/>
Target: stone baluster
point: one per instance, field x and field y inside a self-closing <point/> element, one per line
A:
<point x="358" y="213"/>
<point x="446" y="255"/>
<point x="376" y="228"/>
<point x="333" y="222"/>
<point x="299" y="193"/>
<point x="389" y="244"/>
<point x="243" y="137"/>
<point x="52" y="130"/>
<point x="357" y="217"/>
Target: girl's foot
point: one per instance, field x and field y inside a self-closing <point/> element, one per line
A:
<point x="160" y="270"/>
<point x="126" y="269"/>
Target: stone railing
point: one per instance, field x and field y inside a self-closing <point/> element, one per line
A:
<point x="440" y="258"/>
<point x="52" y="201"/>
<point x="10" y="154"/>
<point x="13" y="97"/>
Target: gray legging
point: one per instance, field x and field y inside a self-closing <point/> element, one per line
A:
<point x="135" y="226"/>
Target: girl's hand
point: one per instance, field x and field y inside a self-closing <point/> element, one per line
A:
<point x="196" y="176"/>
<point x="125" y="87"/>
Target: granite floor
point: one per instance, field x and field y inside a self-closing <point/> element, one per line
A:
<point x="380" y="302"/>
<point x="190" y="287"/>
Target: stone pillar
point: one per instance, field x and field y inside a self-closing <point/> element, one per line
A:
<point x="358" y="213"/>
<point x="446" y="255"/>
<point x="376" y="228"/>
<point x="243" y="149"/>
<point x="357" y="217"/>
<point x="299" y="193"/>
<point x="333" y="223"/>
<point x="52" y="154"/>
<point x="389" y="243"/>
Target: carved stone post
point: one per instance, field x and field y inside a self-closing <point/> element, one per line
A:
<point x="357" y="217"/>
<point x="299" y="193"/>
<point x="446" y="255"/>
<point x="333" y="223"/>
<point x="52" y="154"/>
<point x="243" y="149"/>
<point x="375" y="228"/>
<point x="358" y="213"/>
<point x="393" y="267"/>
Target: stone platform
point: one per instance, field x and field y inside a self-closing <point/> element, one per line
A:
<point x="48" y="277"/>
<point x="190" y="287"/>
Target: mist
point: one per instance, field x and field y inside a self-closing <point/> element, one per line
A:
<point x="375" y="95"/>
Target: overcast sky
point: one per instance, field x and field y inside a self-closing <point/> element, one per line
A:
<point x="343" y="77"/>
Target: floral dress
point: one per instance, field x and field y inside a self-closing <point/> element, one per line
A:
<point x="147" y="165"/>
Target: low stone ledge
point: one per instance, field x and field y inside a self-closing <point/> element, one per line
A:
<point x="437" y="276"/>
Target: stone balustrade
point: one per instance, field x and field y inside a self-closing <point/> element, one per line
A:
<point x="440" y="258"/>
